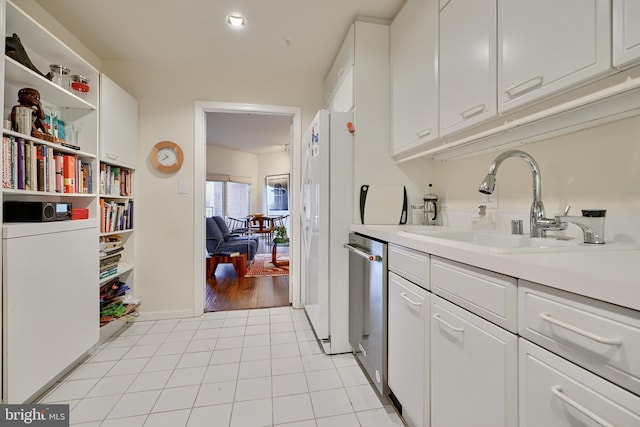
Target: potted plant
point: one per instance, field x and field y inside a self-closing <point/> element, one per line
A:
<point x="280" y="235"/>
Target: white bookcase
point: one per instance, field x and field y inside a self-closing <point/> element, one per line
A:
<point x="118" y="159"/>
<point x="49" y="274"/>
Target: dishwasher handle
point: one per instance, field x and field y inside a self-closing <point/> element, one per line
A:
<point x="363" y="254"/>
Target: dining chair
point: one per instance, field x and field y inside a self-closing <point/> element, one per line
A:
<point x="238" y="226"/>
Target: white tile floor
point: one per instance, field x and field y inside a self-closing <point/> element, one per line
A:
<point x="244" y="368"/>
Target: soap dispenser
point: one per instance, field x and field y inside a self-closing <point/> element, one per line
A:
<point x="482" y="221"/>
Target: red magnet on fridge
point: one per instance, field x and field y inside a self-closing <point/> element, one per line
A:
<point x="351" y="128"/>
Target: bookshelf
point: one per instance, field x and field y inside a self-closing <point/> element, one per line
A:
<point x="116" y="245"/>
<point x="118" y="159"/>
<point x="49" y="275"/>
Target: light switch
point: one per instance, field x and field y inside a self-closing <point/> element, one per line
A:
<point x="182" y="187"/>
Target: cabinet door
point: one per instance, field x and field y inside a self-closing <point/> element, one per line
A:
<point x="474" y="370"/>
<point x="555" y="392"/>
<point x="414" y="85"/>
<point x="467" y="74"/>
<point x="340" y="71"/>
<point x="408" y="344"/>
<point x="538" y="55"/>
<point x="342" y="99"/>
<point x="50" y="302"/>
<point x="626" y="32"/>
<point x="118" y="125"/>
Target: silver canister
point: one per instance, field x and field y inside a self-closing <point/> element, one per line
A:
<point x="24" y="120"/>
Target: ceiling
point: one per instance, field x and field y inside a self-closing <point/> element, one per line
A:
<point x="300" y="37"/>
<point x="252" y="133"/>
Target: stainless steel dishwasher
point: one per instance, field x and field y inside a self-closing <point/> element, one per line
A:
<point x="368" y="306"/>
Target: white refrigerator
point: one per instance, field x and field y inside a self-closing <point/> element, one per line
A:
<point x="327" y="213"/>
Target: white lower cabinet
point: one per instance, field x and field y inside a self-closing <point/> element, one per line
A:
<point x="408" y="343"/>
<point x="474" y="370"/>
<point x="557" y="393"/>
<point x="471" y="347"/>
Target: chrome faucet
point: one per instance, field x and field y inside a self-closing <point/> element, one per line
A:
<point x="539" y="224"/>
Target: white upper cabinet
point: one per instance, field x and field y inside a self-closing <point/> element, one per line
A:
<point x="414" y="84"/>
<point x="118" y="125"/>
<point x="626" y="32"/>
<point x="545" y="46"/>
<point x="467" y="70"/>
<point x="338" y="85"/>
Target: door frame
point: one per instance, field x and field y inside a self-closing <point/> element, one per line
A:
<point x="201" y="108"/>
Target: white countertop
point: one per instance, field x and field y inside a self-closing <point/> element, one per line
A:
<point x="609" y="275"/>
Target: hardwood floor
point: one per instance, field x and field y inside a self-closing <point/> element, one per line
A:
<point x="226" y="291"/>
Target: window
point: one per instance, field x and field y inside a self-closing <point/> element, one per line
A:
<point x="227" y="198"/>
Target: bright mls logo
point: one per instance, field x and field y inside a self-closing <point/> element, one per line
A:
<point x="34" y="415"/>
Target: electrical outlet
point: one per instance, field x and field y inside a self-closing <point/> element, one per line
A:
<point x="490" y="200"/>
<point x="444" y="198"/>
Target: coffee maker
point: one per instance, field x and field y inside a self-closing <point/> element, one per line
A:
<point x="431" y="208"/>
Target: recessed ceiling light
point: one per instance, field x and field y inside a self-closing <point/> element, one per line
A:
<point x="236" y="20"/>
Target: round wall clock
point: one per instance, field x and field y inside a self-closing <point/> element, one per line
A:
<point x="166" y="156"/>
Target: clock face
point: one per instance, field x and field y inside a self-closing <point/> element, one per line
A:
<point x="166" y="156"/>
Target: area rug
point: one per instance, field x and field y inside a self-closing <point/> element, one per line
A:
<point x="262" y="266"/>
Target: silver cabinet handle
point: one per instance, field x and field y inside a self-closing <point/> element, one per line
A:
<point x="525" y="86"/>
<point x="409" y="300"/>
<point x="447" y="324"/>
<point x="557" y="391"/>
<point x="608" y="341"/>
<point x="423" y="133"/>
<point x="362" y="253"/>
<point x="473" y="111"/>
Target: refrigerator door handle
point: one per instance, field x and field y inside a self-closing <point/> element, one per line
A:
<point x="363" y="254"/>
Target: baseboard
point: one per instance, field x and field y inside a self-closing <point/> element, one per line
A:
<point x="164" y="315"/>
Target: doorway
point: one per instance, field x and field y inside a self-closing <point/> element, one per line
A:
<point x="202" y="109"/>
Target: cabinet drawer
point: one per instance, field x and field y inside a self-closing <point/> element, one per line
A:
<point x="490" y="295"/>
<point x="410" y="264"/>
<point x="555" y="392"/>
<point x="601" y="337"/>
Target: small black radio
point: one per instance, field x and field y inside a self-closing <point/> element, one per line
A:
<point x="21" y="211"/>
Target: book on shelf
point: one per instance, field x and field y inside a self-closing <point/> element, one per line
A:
<point x="69" y="173"/>
<point x="111" y="251"/>
<point x="115" y="216"/>
<point x="35" y="167"/>
<point x="59" y="172"/>
<point x="109" y="259"/>
<point x="110" y="272"/>
<point x="115" y="181"/>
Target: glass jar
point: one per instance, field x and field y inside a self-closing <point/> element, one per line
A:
<point x="79" y="85"/>
<point x="60" y="75"/>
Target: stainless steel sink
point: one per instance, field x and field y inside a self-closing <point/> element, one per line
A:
<point x="491" y="241"/>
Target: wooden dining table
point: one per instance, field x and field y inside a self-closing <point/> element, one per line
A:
<point x="261" y="225"/>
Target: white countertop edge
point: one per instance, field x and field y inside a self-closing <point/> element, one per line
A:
<point x="610" y="276"/>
